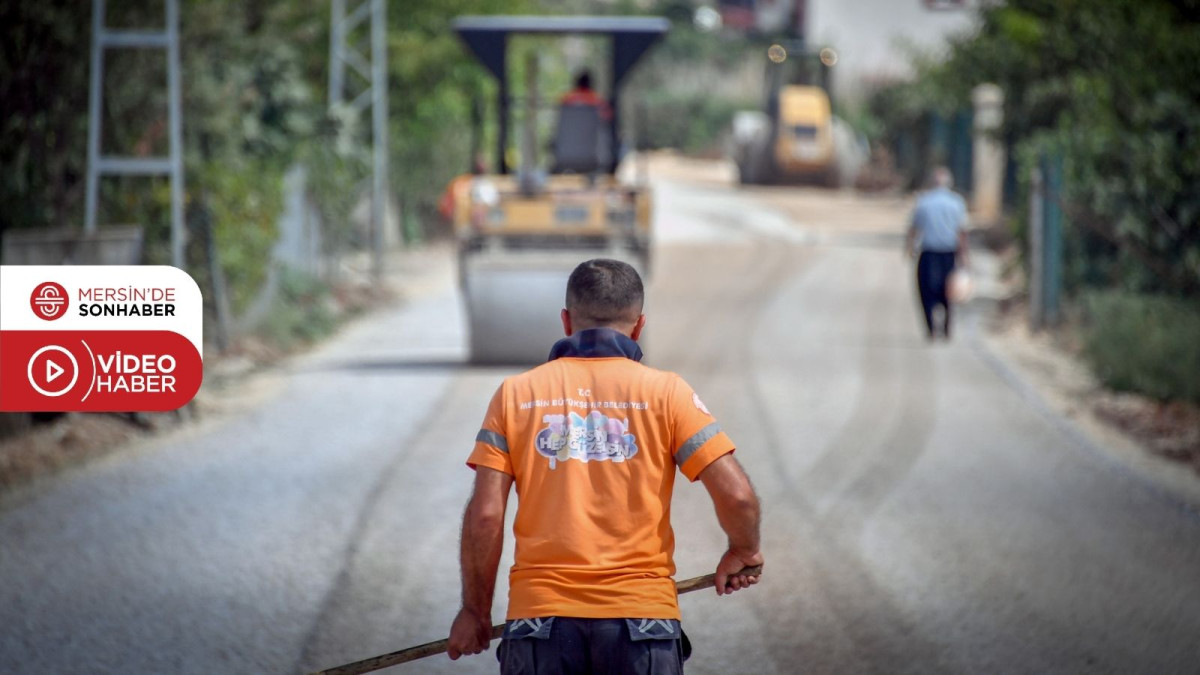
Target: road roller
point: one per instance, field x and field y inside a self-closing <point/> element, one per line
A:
<point x="520" y="232"/>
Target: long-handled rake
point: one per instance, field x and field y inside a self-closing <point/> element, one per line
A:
<point x="439" y="646"/>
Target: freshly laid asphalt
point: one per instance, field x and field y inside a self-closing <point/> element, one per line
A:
<point x="921" y="513"/>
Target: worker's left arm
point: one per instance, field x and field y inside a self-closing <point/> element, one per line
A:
<point x="482" y="543"/>
<point x="739" y="514"/>
<point x="705" y="453"/>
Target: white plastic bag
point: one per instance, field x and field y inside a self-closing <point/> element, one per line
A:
<point x="960" y="287"/>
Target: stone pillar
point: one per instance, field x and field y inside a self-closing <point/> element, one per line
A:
<point x="988" y="153"/>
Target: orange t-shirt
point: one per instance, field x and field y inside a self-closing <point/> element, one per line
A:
<point x="592" y="444"/>
<point x="587" y="97"/>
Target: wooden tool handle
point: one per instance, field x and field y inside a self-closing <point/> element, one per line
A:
<point x="710" y="580"/>
<point x="439" y="646"/>
<point x="396" y="658"/>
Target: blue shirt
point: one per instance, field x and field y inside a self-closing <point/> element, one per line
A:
<point x="939" y="215"/>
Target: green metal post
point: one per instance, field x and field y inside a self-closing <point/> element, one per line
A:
<point x="1052" y="223"/>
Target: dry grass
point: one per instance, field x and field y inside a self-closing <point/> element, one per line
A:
<point x="45" y="449"/>
<point x="1168" y="429"/>
<point x="1054" y="359"/>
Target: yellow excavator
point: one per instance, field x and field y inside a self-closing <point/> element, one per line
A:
<point x="519" y="234"/>
<point x="795" y="139"/>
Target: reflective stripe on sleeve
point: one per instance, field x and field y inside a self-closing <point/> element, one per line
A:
<point x="691" y="445"/>
<point x="492" y="438"/>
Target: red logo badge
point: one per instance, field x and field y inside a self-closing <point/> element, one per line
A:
<point x="49" y="301"/>
<point x="99" y="338"/>
<point x="95" y="371"/>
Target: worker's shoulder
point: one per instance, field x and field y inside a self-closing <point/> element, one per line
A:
<point x="657" y="373"/>
<point x="664" y="382"/>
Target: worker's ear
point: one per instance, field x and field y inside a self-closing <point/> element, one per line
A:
<point x="566" y="322"/>
<point x="637" y="327"/>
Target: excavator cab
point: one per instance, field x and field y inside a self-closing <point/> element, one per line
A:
<point x="520" y="233"/>
<point x="792" y="139"/>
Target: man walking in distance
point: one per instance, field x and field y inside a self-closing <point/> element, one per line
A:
<point x="592" y="440"/>
<point x="938" y="229"/>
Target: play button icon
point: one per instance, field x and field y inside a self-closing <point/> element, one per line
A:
<point x="48" y="368"/>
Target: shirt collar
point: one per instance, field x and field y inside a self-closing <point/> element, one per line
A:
<point x="596" y="343"/>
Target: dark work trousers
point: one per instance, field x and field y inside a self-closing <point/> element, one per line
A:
<point x="933" y="271"/>
<point x="570" y="646"/>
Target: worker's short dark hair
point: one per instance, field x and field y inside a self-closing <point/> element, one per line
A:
<point x="603" y="292"/>
<point x="583" y="80"/>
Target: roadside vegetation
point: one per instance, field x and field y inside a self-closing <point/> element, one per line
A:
<point x="1113" y="89"/>
<point x="690" y="86"/>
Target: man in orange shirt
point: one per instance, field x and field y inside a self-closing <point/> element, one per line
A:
<point x="592" y="440"/>
<point x="583" y="94"/>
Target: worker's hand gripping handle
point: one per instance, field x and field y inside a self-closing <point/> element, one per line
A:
<point x="710" y="580"/>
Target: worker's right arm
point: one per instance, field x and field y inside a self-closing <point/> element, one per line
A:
<point x="482" y="543"/>
<point x="738" y="513"/>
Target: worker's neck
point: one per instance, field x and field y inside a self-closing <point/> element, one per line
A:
<point x="573" y="323"/>
<point x="597" y="342"/>
<point x="623" y="329"/>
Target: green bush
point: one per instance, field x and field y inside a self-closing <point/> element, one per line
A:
<point x="691" y="123"/>
<point x="303" y="312"/>
<point x="243" y="203"/>
<point x="1143" y="343"/>
<point x="1125" y="122"/>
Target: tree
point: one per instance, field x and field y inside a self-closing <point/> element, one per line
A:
<point x="1114" y="88"/>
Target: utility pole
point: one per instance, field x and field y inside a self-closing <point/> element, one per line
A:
<point x="99" y="165"/>
<point x="374" y="71"/>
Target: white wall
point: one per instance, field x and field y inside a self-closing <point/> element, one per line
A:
<point x="870" y="36"/>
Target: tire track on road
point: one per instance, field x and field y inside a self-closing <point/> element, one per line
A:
<point x="860" y="628"/>
<point x="861" y="432"/>
<point x="308" y="660"/>
<point x="889" y="428"/>
<point x="843" y="578"/>
<point x="897" y="451"/>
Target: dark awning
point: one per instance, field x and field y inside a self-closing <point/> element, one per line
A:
<point x="487" y="36"/>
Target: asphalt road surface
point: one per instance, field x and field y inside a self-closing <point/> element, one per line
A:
<point x="922" y="512"/>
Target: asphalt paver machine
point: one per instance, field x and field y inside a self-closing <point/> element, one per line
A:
<point x="521" y="232"/>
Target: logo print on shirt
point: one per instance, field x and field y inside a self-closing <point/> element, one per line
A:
<point x="700" y="404"/>
<point x="587" y="439"/>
